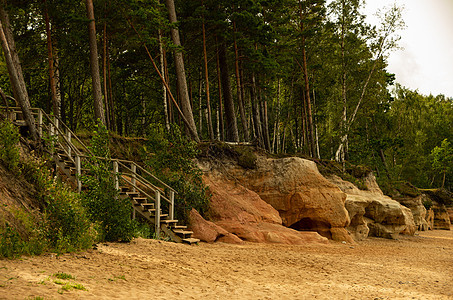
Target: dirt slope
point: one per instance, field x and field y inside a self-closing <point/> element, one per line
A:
<point x="416" y="267"/>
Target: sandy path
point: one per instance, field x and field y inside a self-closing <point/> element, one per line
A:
<point x="419" y="267"/>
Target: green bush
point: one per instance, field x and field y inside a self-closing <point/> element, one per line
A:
<point x="65" y="224"/>
<point x="9" y="150"/>
<point x="172" y="156"/>
<point x="110" y="212"/>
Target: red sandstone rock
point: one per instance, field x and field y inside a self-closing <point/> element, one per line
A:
<point x="204" y="230"/>
<point x="294" y="187"/>
<point x="243" y="213"/>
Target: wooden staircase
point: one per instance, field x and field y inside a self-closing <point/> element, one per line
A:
<point x="151" y="199"/>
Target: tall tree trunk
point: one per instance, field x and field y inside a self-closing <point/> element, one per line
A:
<point x="110" y="94"/>
<point x="340" y="154"/>
<point x="256" y="113"/>
<point x="56" y="101"/>
<point x="274" y="148"/>
<point x="164" y="89"/>
<point x="104" y="73"/>
<point x="307" y="87"/>
<point x="94" y="63"/>
<point x="232" y="130"/>
<point x="208" y="96"/>
<point x="181" y="73"/>
<point x="239" y="90"/>
<point x="308" y="101"/>
<point x="219" y="85"/>
<point x="15" y="71"/>
<point x="265" y="126"/>
<point x="200" y="106"/>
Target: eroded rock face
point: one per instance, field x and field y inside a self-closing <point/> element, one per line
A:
<point x="417" y="209"/>
<point x="441" y="218"/>
<point x="241" y="213"/>
<point x="304" y="199"/>
<point x="430" y="218"/>
<point x="209" y="232"/>
<point x="372" y="213"/>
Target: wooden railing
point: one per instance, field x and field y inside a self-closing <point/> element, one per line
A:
<point x="125" y="172"/>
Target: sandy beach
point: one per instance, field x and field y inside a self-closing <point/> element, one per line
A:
<point x="417" y="267"/>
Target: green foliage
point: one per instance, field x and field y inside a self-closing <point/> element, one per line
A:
<point x="110" y="212"/>
<point x="63" y="276"/>
<point x="244" y="156"/>
<point x="65" y="225"/>
<point x="172" y="156"/>
<point x="442" y="159"/>
<point x="441" y="196"/>
<point x="9" y="150"/>
<point x="62" y="227"/>
<point x="428" y="203"/>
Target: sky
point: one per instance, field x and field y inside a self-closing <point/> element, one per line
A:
<point x="426" y="62"/>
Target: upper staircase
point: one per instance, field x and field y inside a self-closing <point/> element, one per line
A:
<point x="151" y="199"/>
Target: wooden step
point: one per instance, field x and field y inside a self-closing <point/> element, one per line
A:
<point x="169" y="221"/>
<point x="132" y="194"/>
<point x="69" y="164"/>
<point x="191" y="241"/>
<point x="124" y="189"/>
<point x="140" y="199"/>
<point x="147" y="205"/>
<point x="178" y="227"/>
<point x="182" y="232"/>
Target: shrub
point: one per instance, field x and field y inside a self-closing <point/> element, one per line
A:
<point x="172" y="156"/>
<point x="105" y="208"/>
<point x="9" y="149"/>
<point x="65" y="224"/>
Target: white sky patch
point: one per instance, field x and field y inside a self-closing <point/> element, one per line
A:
<point x="426" y="62"/>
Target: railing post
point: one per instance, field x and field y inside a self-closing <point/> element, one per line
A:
<point x="69" y="144"/>
<point x="55" y="120"/>
<point x="78" y="173"/>
<point x="40" y="122"/>
<point x="115" y="173"/>
<point x="134" y="176"/>
<point x="52" y="132"/>
<point x="157" y="215"/>
<point x="171" y="209"/>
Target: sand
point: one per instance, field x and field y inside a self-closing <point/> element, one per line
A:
<point x="418" y="267"/>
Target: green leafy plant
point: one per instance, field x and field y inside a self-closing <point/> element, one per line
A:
<point x="9" y="146"/>
<point x="110" y="212"/>
<point x="65" y="224"/>
<point x="172" y="156"/>
<point x="63" y="276"/>
<point x="442" y="159"/>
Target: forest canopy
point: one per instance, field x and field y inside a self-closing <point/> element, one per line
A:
<point x="291" y="76"/>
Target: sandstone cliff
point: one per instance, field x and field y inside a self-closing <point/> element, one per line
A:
<point x="287" y="200"/>
<point x="372" y="213"/>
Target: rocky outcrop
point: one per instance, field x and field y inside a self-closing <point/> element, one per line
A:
<point x="430" y="219"/>
<point x="441" y="218"/>
<point x="209" y="232"/>
<point x="415" y="204"/>
<point x="236" y="211"/>
<point x="303" y="198"/>
<point x="372" y="213"/>
<point x="437" y="199"/>
<point x="450" y="213"/>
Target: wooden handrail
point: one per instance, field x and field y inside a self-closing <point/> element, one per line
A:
<point x="121" y="162"/>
